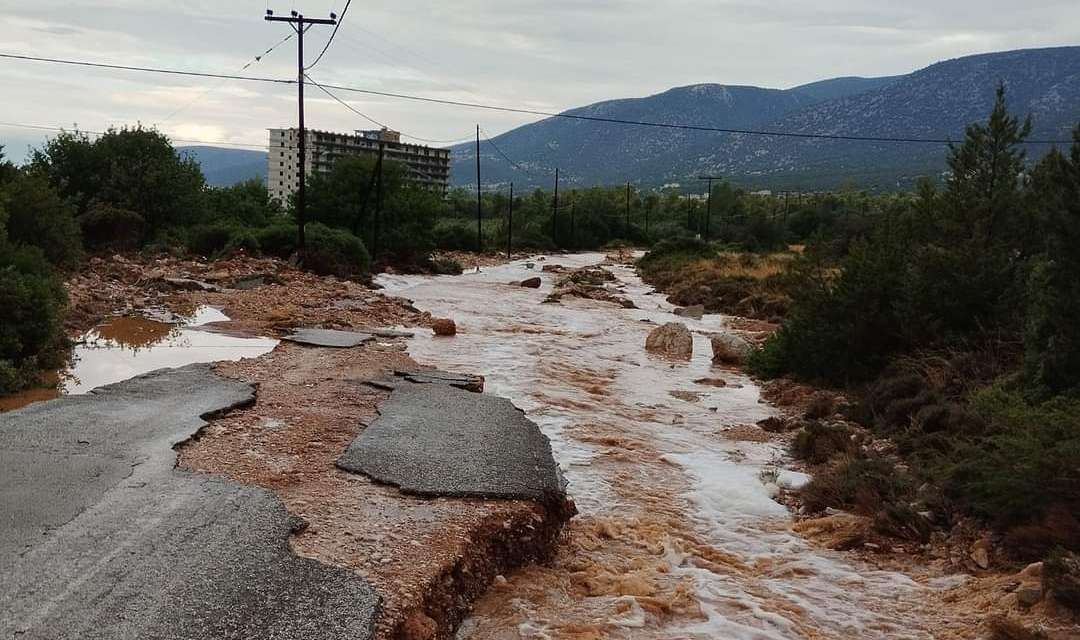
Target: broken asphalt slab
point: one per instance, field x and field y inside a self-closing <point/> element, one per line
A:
<point x="102" y="537"/>
<point x="439" y="440"/>
<point x="329" y="338"/>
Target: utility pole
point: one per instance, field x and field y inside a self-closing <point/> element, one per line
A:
<point x="555" y="213"/>
<point x="708" y="205"/>
<point x="300" y="24"/>
<point x="479" y="206"/>
<point x="573" y="228"/>
<point x="689" y="214"/>
<point x="510" y="224"/>
<point x="378" y="199"/>
<point x="627" y="211"/>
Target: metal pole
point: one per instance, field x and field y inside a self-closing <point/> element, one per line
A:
<point x="555" y="213"/>
<point x="708" y="212"/>
<point x="479" y="206"/>
<point x="510" y="224"/>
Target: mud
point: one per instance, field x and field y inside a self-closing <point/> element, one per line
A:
<point x="428" y="558"/>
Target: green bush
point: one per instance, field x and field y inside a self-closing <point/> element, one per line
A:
<point x="335" y="252"/>
<point x="107" y="228"/>
<point x="1030" y="465"/>
<point x="39" y="217"/>
<point x="277" y="240"/>
<point x="457" y="235"/>
<point x="863" y="485"/>
<point x="32" y="298"/>
<point x="216" y="240"/>
<point x="243" y="240"/>
<point x="817" y="443"/>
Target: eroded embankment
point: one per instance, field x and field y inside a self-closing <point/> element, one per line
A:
<point x="429" y="558"/>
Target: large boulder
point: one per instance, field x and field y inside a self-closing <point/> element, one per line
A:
<point x="729" y="348"/>
<point x="695" y="311"/>
<point x="444" y="327"/>
<point x="673" y="340"/>
<point x="531" y="283"/>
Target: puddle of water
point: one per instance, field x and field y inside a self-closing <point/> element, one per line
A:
<point x="124" y="347"/>
<point x="677" y="536"/>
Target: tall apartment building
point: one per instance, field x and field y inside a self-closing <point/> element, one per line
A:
<point x="428" y="167"/>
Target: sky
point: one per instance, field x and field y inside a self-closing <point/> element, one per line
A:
<point x="548" y="55"/>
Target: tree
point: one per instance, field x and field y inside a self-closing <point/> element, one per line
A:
<point x="38" y="216"/>
<point x="134" y="169"/>
<point x="345" y="197"/>
<point x="246" y="202"/>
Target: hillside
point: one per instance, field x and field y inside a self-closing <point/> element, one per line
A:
<point x="935" y="102"/>
<point x="225" y="167"/>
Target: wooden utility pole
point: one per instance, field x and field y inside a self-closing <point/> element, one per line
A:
<point x="708" y="205"/>
<point x="510" y="224"/>
<point x="479" y="205"/>
<point x="300" y="24"/>
<point x="555" y="213"/>
<point x="689" y="213"/>
<point x="573" y="228"/>
<point x="378" y="199"/>
<point x="627" y="211"/>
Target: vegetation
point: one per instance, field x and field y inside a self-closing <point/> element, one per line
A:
<point x="950" y="315"/>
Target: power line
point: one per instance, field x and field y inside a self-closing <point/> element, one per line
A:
<point x="376" y="122"/>
<point x="521" y="110"/>
<point x="202" y="95"/>
<point x="15" y="125"/>
<point x="122" y="67"/>
<point x="505" y="157"/>
<point x="332" y="34"/>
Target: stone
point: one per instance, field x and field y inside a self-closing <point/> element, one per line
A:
<point x="694" y="311"/>
<point x="1029" y="594"/>
<point x="980" y="557"/>
<point x="444" y="327"/>
<point x="329" y="338"/>
<point x="773" y="424"/>
<point x="729" y="348"/>
<point x="187" y="284"/>
<point x="672" y="339"/>
<point x="711" y="382"/>
<point x="552" y="268"/>
<point x="531" y="283"/>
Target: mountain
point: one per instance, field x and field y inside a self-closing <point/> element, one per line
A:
<point x="225" y="167"/>
<point x="935" y="102"/>
<point x="836" y="88"/>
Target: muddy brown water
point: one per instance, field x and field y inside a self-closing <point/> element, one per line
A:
<point x="123" y="347"/>
<point x="678" y="535"/>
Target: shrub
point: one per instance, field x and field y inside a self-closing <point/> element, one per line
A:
<point x="31" y="332"/>
<point x="107" y="228"/>
<point x="39" y="217"/>
<point x="1028" y="466"/>
<point x="242" y="240"/>
<point x="818" y="443"/>
<point x="863" y="485"/>
<point x="335" y="252"/>
<point x="208" y="240"/>
<point x="277" y="240"/>
<point x="456" y="235"/>
<point x="1061" y="577"/>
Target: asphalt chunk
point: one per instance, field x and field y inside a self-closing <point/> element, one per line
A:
<point x="103" y="538"/>
<point x="440" y="440"/>
<point x="329" y="338"/>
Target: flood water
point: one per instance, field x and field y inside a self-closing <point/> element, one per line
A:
<point x="124" y="347"/>
<point x="677" y="535"/>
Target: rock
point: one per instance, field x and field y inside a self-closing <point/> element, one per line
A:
<point x="711" y="382"/>
<point x="773" y="425"/>
<point x="531" y="283"/>
<point x="693" y="311"/>
<point x="552" y="268"/>
<point x="980" y="557"/>
<point x="672" y="339"/>
<point x="530" y="265"/>
<point x="419" y="626"/>
<point x="1029" y="594"/>
<point x="729" y="348"/>
<point x="1033" y="570"/>
<point x="444" y="327"/>
<point x="187" y="284"/>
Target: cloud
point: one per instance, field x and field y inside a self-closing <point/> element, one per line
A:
<point x="546" y="54"/>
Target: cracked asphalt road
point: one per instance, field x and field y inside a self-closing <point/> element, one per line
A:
<point x="102" y="538"/>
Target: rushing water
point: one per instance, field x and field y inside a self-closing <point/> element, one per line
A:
<point x="124" y="347"/>
<point x="677" y="535"/>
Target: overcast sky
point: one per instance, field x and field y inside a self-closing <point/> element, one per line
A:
<point x="549" y="55"/>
